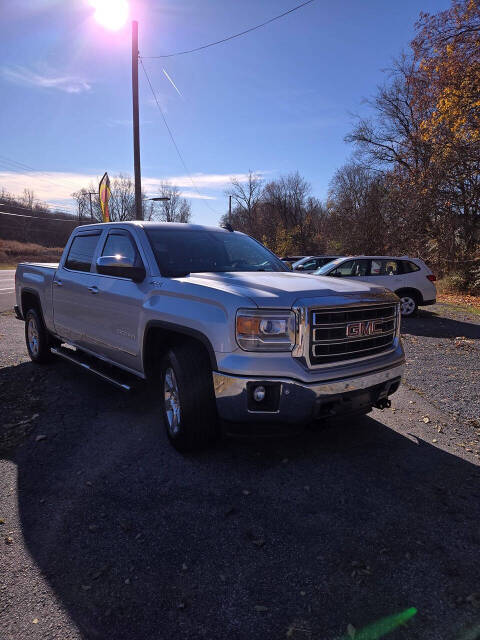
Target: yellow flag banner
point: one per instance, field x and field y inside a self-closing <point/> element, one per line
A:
<point x="104" y="194"/>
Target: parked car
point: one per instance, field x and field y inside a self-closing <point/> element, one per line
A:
<point x="309" y="264"/>
<point x="289" y="260"/>
<point x="409" y="278"/>
<point x="216" y="322"/>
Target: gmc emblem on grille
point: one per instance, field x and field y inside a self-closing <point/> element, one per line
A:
<point x="365" y="328"/>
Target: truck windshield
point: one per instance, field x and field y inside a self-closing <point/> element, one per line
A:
<point x="192" y="251"/>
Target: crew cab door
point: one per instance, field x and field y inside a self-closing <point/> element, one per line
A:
<point x="73" y="289"/>
<point x="118" y="305"/>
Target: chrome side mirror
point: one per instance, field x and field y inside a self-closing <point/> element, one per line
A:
<point x="121" y="267"/>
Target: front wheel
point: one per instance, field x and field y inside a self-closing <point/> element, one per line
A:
<point x="408" y="305"/>
<point x="187" y="398"/>
<point x="36" y="337"/>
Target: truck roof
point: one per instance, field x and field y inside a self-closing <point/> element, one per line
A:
<point x="153" y="225"/>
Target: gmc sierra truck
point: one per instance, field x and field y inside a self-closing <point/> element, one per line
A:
<point x="217" y="321"/>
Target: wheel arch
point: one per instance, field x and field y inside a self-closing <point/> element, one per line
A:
<point x="31" y="300"/>
<point x="159" y="336"/>
<point x="411" y="291"/>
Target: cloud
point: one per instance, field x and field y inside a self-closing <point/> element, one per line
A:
<point x="196" y="196"/>
<point x="46" y="80"/>
<point x="206" y="180"/>
<point x="56" y="187"/>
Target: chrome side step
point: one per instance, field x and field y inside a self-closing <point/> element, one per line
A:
<point x="58" y="351"/>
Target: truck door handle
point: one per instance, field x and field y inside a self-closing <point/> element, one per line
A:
<point x="93" y="289"/>
<point x="58" y="283"/>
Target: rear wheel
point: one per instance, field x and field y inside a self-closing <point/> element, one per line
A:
<point x="187" y="397"/>
<point x="37" y="338"/>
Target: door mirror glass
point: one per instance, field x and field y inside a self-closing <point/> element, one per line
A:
<point x="121" y="267"/>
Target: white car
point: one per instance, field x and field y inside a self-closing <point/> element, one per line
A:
<point x="409" y="278"/>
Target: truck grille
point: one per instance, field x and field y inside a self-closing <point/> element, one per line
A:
<point x="346" y="333"/>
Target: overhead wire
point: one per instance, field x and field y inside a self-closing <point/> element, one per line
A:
<point x="13" y="166"/>
<point x="235" y="35"/>
<point x="39" y="218"/>
<point x="179" y="153"/>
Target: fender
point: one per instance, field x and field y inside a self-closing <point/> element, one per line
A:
<point x="178" y="328"/>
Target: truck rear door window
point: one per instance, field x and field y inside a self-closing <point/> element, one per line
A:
<point x="81" y="252"/>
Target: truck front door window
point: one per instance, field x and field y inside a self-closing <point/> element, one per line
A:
<point x="119" y="244"/>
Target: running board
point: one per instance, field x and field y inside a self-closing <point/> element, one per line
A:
<point x="58" y="351"/>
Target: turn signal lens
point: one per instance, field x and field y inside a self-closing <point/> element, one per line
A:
<point x="248" y="325"/>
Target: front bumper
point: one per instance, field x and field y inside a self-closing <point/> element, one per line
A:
<point x="292" y="401"/>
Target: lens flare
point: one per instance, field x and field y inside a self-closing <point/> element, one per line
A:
<point x="111" y="14"/>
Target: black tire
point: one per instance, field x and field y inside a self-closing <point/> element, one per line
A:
<point x="196" y="423"/>
<point x="408" y="303"/>
<point x="37" y="338"/>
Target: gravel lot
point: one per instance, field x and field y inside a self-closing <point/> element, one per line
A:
<point x="443" y="352"/>
<point x="107" y="532"/>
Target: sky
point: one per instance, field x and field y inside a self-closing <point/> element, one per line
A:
<point x="277" y="100"/>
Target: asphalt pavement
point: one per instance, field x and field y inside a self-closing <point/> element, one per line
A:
<point x="107" y="532"/>
<point x="7" y="289"/>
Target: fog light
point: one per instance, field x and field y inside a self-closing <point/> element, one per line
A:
<point x="259" y="394"/>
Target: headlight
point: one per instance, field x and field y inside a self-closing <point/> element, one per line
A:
<point x="265" y="330"/>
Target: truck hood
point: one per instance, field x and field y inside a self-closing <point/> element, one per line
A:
<point x="284" y="289"/>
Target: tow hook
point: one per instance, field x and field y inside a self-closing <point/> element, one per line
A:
<point x="382" y="403"/>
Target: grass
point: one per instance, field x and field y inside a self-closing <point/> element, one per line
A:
<point x="13" y="252"/>
<point x="464" y="308"/>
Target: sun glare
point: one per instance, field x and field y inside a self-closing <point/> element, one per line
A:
<point x="111" y="14"/>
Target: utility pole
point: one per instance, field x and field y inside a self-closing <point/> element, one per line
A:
<point x="136" y="126"/>
<point x="90" y="194"/>
<point x="229" y="206"/>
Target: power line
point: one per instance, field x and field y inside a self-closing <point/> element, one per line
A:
<point x="43" y="219"/>
<point x="21" y="167"/>
<point x="173" y="139"/>
<point x="236" y="35"/>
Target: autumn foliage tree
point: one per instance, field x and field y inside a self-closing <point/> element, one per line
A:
<point x="425" y="139"/>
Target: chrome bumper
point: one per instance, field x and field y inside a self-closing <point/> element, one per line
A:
<point x="299" y="402"/>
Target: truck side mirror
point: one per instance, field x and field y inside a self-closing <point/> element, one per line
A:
<point x="120" y="267"/>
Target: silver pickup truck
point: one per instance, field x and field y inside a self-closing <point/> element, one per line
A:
<point x="217" y="321"/>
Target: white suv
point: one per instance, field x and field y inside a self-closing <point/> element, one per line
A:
<point x="409" y="278"/>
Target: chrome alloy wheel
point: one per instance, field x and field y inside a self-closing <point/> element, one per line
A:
<point x="33" y="339"/>
<point x="407" y="305"/>
<point x="172" y="402"/>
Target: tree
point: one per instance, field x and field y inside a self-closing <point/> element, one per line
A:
<point x="245" y="197"/>
<point x="175" y="209"/>
<point x="121" y="204"/>
<point x="357" y="210"/>
<point x="425" y="137"/>
<point x="281" y="213"/>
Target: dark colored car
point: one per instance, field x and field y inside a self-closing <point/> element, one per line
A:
<point x="309" y="264"/>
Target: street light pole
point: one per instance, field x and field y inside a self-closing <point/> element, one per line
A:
<point x="136" y="126"/>
<point x="90" y="194"/>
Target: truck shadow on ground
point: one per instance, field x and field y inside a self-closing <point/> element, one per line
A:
<point x="432" y="326"/>
<point x="251" y="539"/>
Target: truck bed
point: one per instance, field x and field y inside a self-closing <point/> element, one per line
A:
<point x="37" y="277"/>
